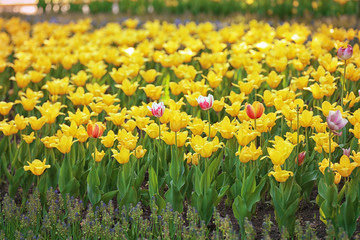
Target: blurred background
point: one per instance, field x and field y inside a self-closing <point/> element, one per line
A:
<point x="273" y="8"/>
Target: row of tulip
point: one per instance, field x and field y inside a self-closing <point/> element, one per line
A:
<point x="100" y="114"/>
<point x="284" y="8"/>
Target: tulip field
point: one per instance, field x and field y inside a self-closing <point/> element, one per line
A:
<point x="101" y="126"/>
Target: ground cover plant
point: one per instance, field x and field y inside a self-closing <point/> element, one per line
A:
<point x="179" y="118"/>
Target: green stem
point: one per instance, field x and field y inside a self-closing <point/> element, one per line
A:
<point x="342" y="87"/>
<point x="209" y="124"/>
<point x="329" y="148"/>
<point x="297" y="132"/>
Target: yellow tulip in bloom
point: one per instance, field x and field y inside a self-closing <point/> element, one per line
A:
<point x="306" y="118"/>
<point x="219" y="105"/>
<point x="29" y="138"/>
<point x="203" y="147"/>
<point x="175" y="88"/>
<point x="196" y="126"/>
<point x="57" y="86"/>
<point x="169" y="138"/>
<point x="118" y="118"/>
<point x="175" y="121"/>
<point x="126" y="139"/>
<point x="79" y="97"/>
<point x="244" y="135"/>
<point x="5" y="107"/>
<point x="234" y="109"/>
<point x="152" y="130"/>
<point x="281" y="151"/>
<point x="69" y="130"/>
<point x="81" y="134"/>
<point x="129" y="126"/>
<point x="37" y="167"/>
<point x="97" y="69"/>
<point x="127" y="87"/>
<point x="28" y="104"/>
<point x="292" y="137"/>
<point x="64" y="143"/>
<point x="191" y="98"/>
<point x="123" y="155"/>
<point x="322" y="142"/>
<point x="119" y="75"/>
<point x="36" y="76"/>
<point x="140" y="152"/>
<point x="80" y="78"/>
<point x="9" y="128"/>
<point x="273" y="79"/>
<point x="20" y="122"/>
<point x="344" y="167"/>
<point x="50" y="111"/>
<point x="280" y="175"/>
<point x="192" y="158"/>
<point x="79" y="117"/>
<point x="49" y="142"/>
<point x="249" y="153"/>
<point x="324" y="164"/>
<point x="98" y="155"/>
<point x="108" y="140"/>
<point x="96" y="89"/>
<point x="226" y="128"/>
<point x="22" y="80"/>
<point x="356" y="157"/>
<point x="150" y="75"/>
<point x="175" y="105"/>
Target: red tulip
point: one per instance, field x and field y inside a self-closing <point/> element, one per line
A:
<point x="255" y="110"/>
<point x="95" y="130"/>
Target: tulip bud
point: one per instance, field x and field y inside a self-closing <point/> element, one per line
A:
<point x="157" y="109"/>
<point x="95" y="130"/>
<point x="345" y="53"/>
<point x="346" y="151"/>
<point x="300" y="159"/>
<point x="335" y="121"/>
<point x="255" y="110"/>
<point x="337" y="178"/>
<point x="205" y="102"/>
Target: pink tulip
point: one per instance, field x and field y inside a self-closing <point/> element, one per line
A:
<point x="335" y="121"/>
<point x="205" y="102"/>
<point x="346" y="151"/>
<point x="157" y="109"/>
<point x="300" y="159"/>
<point x="345" y="53"/>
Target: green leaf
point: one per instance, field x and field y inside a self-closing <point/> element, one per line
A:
<point x="93" y="184"/>
<point x="153" y="182"/>
<point x="108" y="196"/>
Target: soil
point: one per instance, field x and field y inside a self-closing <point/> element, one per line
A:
<point x="308" y="212"/>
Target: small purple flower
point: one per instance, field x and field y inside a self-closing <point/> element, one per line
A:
<point x="345" y="53"/>
<point x="335" y="121"/>
<point x="346" y="151"/>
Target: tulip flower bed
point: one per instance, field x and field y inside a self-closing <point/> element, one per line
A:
<point x="180" y="120"/>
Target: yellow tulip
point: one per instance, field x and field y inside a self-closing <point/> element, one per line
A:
<point x="196" y="126"/>
<point x="126" y="139"/>
<point x="344" y="167"/>
<point x="29" y="138"/>
<point x="123" y="155"/>
<point x="64" y="143"/>
<point x="20" y="122"/>
<point x="249" y="153"/>
<point x="5" y="107"/>
<point x="98" y="155"/>
<point x="108" y="140"/>
<point x="37" y="167"/>
<point x="280" y="175"/>
<point x="140" y="152"/>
